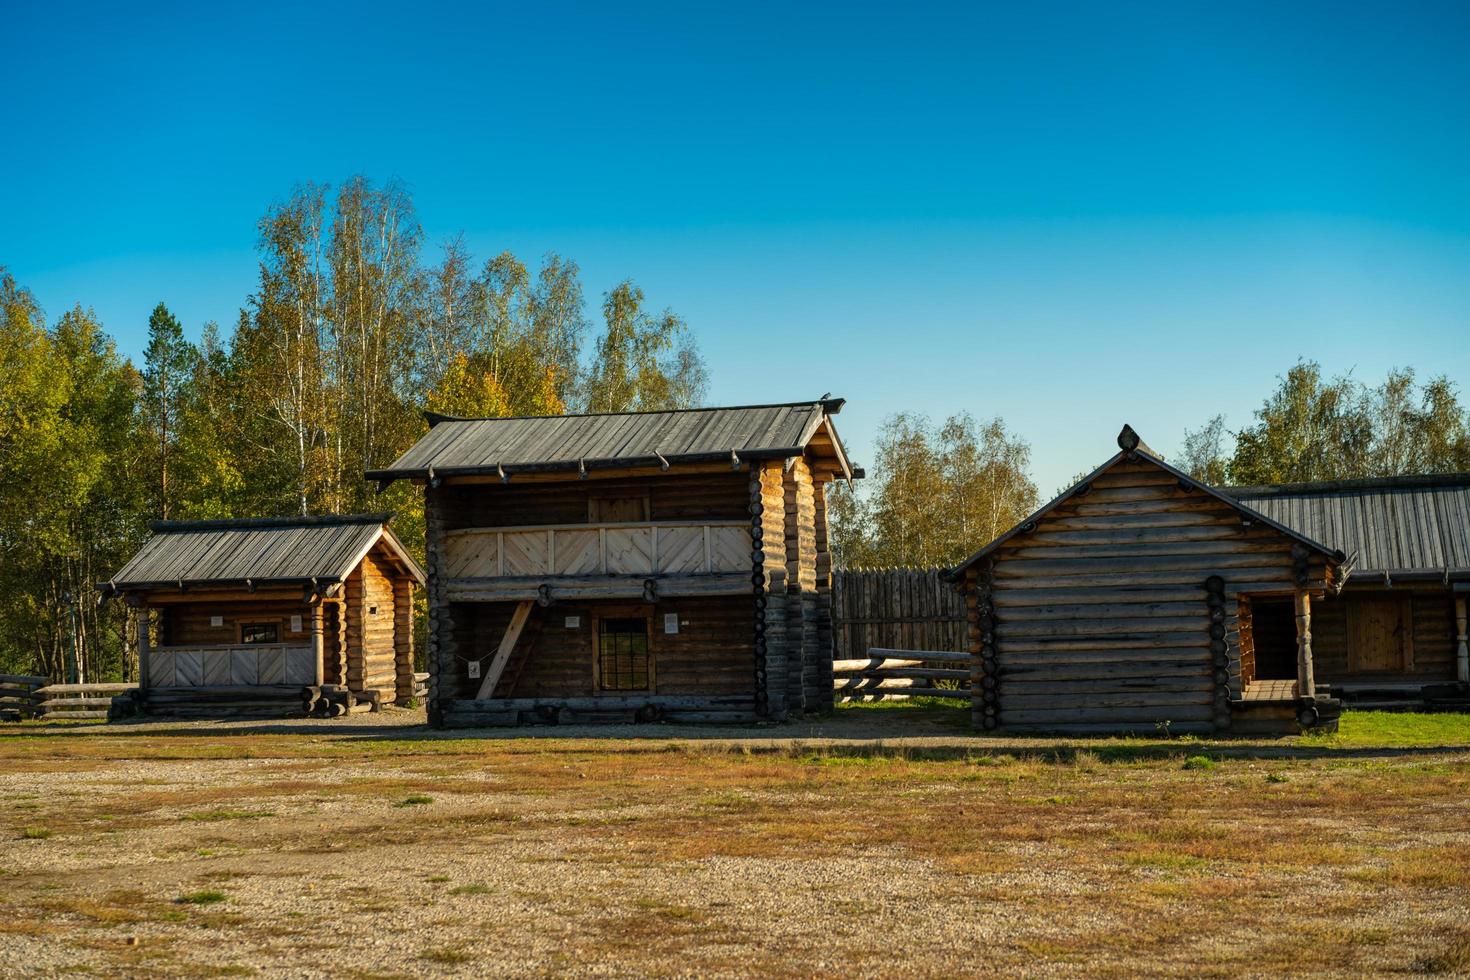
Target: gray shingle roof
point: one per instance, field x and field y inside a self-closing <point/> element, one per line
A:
<point x="479" y="446"/>
<point x="1398" y="525"/>
<point x="261" y="550"/>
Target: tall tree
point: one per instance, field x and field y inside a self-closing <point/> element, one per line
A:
<point x="936" y="494"/>
<point x="645" y="362"/>
<point x="1316" y="428"/>
<point x="168" y="363"/>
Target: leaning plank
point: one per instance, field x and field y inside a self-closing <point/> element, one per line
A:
<point x="502" y="655"/>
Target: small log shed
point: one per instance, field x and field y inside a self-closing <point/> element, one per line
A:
<point x="239" y="616"/>
<point x="1397" y="634"/>
<point x="1124" y="606"/>
<point x="629" y="566"/>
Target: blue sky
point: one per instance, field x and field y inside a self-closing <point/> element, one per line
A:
<point x="1069" y="215"/>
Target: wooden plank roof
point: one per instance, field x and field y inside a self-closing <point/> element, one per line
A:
<point x="262" y="551"/>
<point x="455" y="446"/>
<point x="1406" y="525"/>
<point x="1131" y="447"/>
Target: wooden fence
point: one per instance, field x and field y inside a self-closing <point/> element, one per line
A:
<point x="894" y="609"/>
<point x="900" y="674"/>
<point x="18" y="697"/>
<point x="36" y="697"/>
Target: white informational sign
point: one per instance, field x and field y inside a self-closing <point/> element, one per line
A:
<point x="216" y="620"/>
<point x="474" y="669"/>
<point x="295" y="624"/>
<point x="574" y="622"/>
<point x="671" y="622"/>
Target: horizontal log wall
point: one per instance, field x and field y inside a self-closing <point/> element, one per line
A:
<point x="188" y="623"/>
<point x="1433" y="609"/>
<point x="372" y="662"/>
<point x="1101" y="616"/>
<point x="903" y="608"/>
<point x="671" y="498"/>
<point x="711" y="655"/>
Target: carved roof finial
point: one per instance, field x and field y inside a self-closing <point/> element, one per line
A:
<point x="1128" y="439"/>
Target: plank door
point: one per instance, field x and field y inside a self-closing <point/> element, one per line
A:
<point x="1380" y="636"/>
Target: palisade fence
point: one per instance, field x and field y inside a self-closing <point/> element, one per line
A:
<point x="895" y="609"/>
<point x="897" y="632"/>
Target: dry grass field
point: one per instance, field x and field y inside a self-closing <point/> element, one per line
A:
<point x="884" y="841"/>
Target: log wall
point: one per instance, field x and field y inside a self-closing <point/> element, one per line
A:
<point x="800" y="509"/>
<point x="1101" y="615"/>
<point x="1431" y="610"/>
<point x="371" y="626"/>
<point x="710" y="655"/>
<point x="188" y="623"/>
<point x="768" y="538"/>
<point x="671" y="497"/>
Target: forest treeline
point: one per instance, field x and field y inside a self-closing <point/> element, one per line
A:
<point x="350" y="334"/>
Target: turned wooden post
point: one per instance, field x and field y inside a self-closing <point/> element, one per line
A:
<point x="146" y="645"/>
<point x="1462" y="655"/>
<point x="1306" y="684"/>
<point x="318" y="646"/>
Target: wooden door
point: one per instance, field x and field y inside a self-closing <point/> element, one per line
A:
<point x="1380" y="635"/>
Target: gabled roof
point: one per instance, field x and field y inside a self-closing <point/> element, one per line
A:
<point x="576" y="443"/>
<point x="258" y="551"/>
<point x="1403" y="525"/>
<point x="1132" y="448"/>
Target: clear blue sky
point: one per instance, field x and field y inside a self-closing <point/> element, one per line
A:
<point x="1071" y="215"/>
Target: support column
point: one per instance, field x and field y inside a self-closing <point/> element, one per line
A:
<point x="146" y="645"/>
<point x="1462" y="654"/>
<point x="318" y="647"/>
<point x="442" y="651"/>
<point x="768" y="538"/>
<point x="403" y="638"/>
<point x="1306" y="683"/>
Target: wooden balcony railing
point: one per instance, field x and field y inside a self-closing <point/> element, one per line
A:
<point x="231" y="665"/>
<point x="656" y="548"/>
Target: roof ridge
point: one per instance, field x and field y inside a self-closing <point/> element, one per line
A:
<point x="1408" y="481"/>
<point x="810" y="403"/>
<point x="230" y="523"/>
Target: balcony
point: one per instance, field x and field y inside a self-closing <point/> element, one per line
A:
<point x="614" y="560"/>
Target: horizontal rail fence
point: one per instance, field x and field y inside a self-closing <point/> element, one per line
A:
<point x="899" y="674"/>
<point x="894" y="609"/>
<point x="18" y="696"/>
<point x="74" y="702"/>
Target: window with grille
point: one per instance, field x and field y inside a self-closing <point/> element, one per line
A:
<point x="258" y="633"/>
<point x="622" y="653"/>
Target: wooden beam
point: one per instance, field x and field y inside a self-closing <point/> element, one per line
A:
<point x="572" y="476"/>
<point x="1462" y="640"/>
<point x="145" y="649"/>
<point x="1306" y="683"/>
<point x="502" y="655"/>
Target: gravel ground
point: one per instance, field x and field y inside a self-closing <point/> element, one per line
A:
<point x="371" y="846"/>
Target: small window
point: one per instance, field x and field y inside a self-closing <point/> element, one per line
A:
<point x="622" y="648"/>
<point x="259" y="633"/>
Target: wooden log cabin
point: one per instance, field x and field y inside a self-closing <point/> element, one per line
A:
<point x="237" y="617"/>
<point x="1125" y="606"/>
<point x="661" y="565"/>
<point x="1397" y="633"/>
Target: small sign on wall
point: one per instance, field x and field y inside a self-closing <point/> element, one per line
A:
<point x="474" y="669"/>
<point x="671" y="622"/>
<point x="295" y="624"/>
<point x="574" y="622"/>
<point x="216" y="620"/>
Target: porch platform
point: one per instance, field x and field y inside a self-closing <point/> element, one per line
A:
<point x="1276" y="690"/>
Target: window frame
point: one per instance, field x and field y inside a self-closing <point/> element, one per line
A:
<point x="599" y="616"/>
<point x="274" y="624"/>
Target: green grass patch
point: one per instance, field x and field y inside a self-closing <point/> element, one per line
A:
<point x="35" y="833"/>
<point x="470" y="890"/>
<point x="1395" y="729"/>
<point x="1202" y="762"/>
<point x="448" y="956"/>
<point x="207" y="897"/>
<point x="417" y="799"/>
